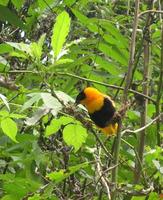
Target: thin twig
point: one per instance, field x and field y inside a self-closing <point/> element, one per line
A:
<point x="142" y="128"/>
<point x="103" y="178"/>
<point x="150" y="11"/>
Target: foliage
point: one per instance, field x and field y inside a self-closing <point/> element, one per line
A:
<point x="49" y="51"/>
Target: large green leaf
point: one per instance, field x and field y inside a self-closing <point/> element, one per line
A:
<point x="7" y="15"/>
<point x="75" y="135"/>
<point x="9" y="128"/>
<point x="60" y="32"/>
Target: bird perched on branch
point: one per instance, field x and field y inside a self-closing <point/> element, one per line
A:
<point x="101" y="109"/>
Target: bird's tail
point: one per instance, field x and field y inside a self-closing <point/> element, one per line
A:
<point x="111" y="129"/>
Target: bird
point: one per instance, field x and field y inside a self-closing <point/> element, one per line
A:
<point x="101" y="109"/>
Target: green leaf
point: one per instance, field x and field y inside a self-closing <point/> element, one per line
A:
<point x="138" y="198"/>
<point x="3" y="64"/>
<point x="42" y="4"/>
<point x="35" y="97"/>
<point x="53" y="127"/>
<point x="21" y="47"/>
<point x="36" y="48"/>
<point x="60" y="32"/>
<point x="5" y="48"/>
<point x="9" y="128"/>
<point x="37" y="116"/>
<point x="4" y="113"/>
<point x="113" y="53"/>
<point x="17" y="116"/>
<point x="69" y="2"/>
<point x="89" y="23"/>
<point x="108" y="66"/>
<point x="63" y="174"/>
<point x="18" y="4"/>
<point x="19" y="186"/>
<point x="35" y="197"/>
<point x="151" y="109"/>
<point x="153" y="196"/>
<point x="64" y="97"/>
<point x="110" y="28"/>
<point x="9" y="197"/>
<point x="75" y="135"/>
<point x="59" y="62"/>
<point x="4" y="99"/>
<point x="56" y="124"/>
<point x="51" y="102"/>
<point x="11" y="17"/>
<point x="4" y="2"/>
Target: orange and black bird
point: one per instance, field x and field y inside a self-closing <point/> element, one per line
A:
<point x="101" y="109"/>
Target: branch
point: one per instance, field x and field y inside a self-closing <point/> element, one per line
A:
<point x="160" y="83"/>
<point x="102" y="177"/>
<point x="88" y="80"/>
<point x="125" y="94"/>
<point x="150" y="11"/>
<point x="145" y="88"/>
<point x="144" y="127"/>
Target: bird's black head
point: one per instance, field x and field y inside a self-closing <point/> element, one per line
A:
<point x="81" y="96"/>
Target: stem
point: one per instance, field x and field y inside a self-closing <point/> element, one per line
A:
<point x="160" y="85"/>
<point x="141" y="145"/>
<point x="125" y="94"/>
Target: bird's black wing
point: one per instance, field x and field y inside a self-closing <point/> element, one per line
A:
<point x="104" y="115"/>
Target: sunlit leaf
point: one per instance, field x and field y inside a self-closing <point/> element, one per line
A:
<point x="60" y="32"/>
<point x="62" y="174"/>
<point x="9" y="128"/>
<point x="36" y="47"/>
<point x="5" y="48"/>
<point x="4" y="99"/>
<point x="75" y="135"/>
<point x="56" y="124"/>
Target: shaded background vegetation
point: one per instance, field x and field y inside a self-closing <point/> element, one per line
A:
<point x="49" y="51"/>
